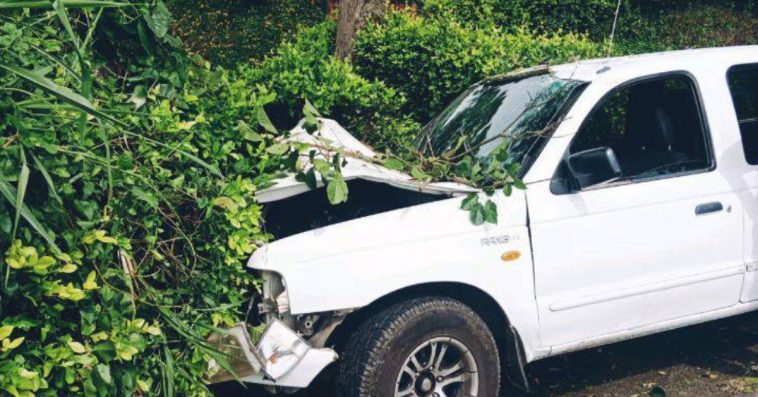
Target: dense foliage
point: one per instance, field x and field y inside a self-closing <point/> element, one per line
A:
<point x="243" y="30"/>
<point x="643" y="25"/>
<point x="580" y="16"/>
<point x="128" y="168"/>
<point x="432" y="59"/>
<point x="305" y="69"/>
<point x="127" y="203"/>
<point x="648" y="26"/>
<point x="415" y="60"/>
<point x="233" y="31"/>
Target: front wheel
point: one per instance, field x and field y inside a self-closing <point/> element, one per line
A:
<point x="425" y="347"/>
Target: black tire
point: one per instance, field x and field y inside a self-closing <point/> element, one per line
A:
<point x="375" y="354"/>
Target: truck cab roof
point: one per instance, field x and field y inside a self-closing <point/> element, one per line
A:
<point x="619" y="68"/>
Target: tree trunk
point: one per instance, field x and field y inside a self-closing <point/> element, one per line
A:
<point x="353" y="16"/>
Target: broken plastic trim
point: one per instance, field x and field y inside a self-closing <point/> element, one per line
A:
<point x="281" y="358"/>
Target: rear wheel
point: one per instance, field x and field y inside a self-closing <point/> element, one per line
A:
<point x="425" y="347"/>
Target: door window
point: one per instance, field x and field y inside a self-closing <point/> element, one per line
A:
<point x="655" y="128"/>
<point x="743" y="83"/>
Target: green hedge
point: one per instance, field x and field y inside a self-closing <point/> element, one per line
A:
<point x="306" y="68"/>
<point x="240" y="31"/>
<point x="137" y="207"/>
<point x="670" y="25"/>
<point x="431" y="60"/>
<point x="543" y="16"/>
<point x="643" y="26"/>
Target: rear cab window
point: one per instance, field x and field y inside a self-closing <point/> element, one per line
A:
<point x="743" y="85"/>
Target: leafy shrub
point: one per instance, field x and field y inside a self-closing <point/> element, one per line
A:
<point x="125" y="212"/>
<point x="643" y="26"/>
<point x="240" y="31"/>
<point x="430" y="60"/>
<point x="306" y="69"/>
<point x="542" y="16"/>
<point x="659" y="26"/>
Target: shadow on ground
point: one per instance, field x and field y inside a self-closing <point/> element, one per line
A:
<point x="714" y="359"/>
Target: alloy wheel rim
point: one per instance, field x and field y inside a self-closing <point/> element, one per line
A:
<point x="439" y="367"/>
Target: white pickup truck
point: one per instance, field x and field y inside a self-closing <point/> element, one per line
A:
<point x="640" y="215"/>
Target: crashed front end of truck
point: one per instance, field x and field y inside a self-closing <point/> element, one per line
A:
<point x="282" y="356"/>
<point x="293" y="349"/>
<point x="331" y="260"/>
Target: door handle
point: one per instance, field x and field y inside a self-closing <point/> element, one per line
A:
<point x="708" y="208"/>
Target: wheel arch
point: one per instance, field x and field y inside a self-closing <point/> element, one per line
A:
<point x="483" y="304"/>
<point x="479" y="301"/>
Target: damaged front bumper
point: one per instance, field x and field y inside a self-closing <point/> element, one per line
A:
<point x="281" y="358"/>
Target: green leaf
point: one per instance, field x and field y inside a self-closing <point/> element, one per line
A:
<point x="23" y="181"/>
<point x="476" y="214"/>
<point x="225" y="203"/>
<point x="105" y="351"/>
<point x="490" y="212"/>
<point x="63" y="17"/>
<point x="514" y="169"/>
<point x="336" y="189"/>
<point x="125" y="161"/>
<point x="104" y="371"/>
<point x="77" y="347"/>
<point x="145" y="39"/>
<point x="278" y="149"/>
<point x="159" y="19"/>
<point x="90" y="283"/>
<point x="394" y="164"/>
<point x="9" y="192"/>
<point x="323" y="167"/>
<point x="139" y="96"/>
<point x="177" y="182"/>
<point x="463" y="167"/>
<point x="169" y="378"/>
<point x="469" y="201"/>
<point x="5" y="331"/>
<point x="247" y="132"/>
<point x="265" y="122"/>
<point x="149" y="198"/>
<point x="48" y="179"/>
<point x="62" y="93"/>
<point x="508" y="189"/>
<point x="310" y="110"/>
<point x="308" y="177"/>
<point x="336" y="161"/>
<point x="419" y="175"/>
<point x="519" y="184"/>
<point x="312" y="123"/>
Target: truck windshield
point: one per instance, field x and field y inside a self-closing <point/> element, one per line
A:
<point x="518" y="112"/>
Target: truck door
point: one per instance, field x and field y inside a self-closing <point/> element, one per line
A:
<point x="663" y="241"/>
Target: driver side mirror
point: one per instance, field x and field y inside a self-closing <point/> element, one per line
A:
<point x="594" y="166"/>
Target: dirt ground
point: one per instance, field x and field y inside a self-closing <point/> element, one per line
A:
<point x="714" y="359"/>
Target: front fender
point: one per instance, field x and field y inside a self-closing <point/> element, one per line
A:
<point x="352" y="264"/>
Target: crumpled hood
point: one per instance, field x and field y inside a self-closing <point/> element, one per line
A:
<point x="395" y="235"/>
<point x="355" y="168"/>
<point x="402" y="230"/>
